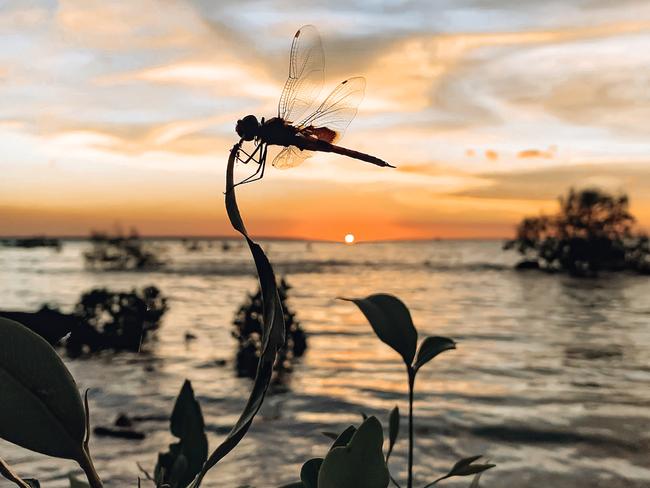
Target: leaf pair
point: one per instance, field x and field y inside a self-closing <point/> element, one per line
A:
<point x="392" y="323"/>
<point x="41" y="409"/>
<point x="355" y="460"/>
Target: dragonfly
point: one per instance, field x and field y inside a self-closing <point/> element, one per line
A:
<point x="301" y="126"/>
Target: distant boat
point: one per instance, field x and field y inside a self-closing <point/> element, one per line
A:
<point x="32" y="242"/>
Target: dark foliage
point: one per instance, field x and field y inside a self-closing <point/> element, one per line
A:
<point x="177" y="467"/>
<point x="102" y="320"/>
<point x="592" y="232"/>
<point x="248" y="332"/>
<point x="119" y="321"/>
<point x="47" y="322"/>
<point x="119" y="252"/>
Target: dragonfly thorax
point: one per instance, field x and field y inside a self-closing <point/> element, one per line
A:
<point x="248" y="128"/>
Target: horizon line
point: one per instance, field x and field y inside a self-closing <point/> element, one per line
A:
<point x="83" y="237"/>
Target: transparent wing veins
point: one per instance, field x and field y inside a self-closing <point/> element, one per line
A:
<point x="306" y="74"/>
<point x="290" y="157"/>
<point x="339" y="108"/>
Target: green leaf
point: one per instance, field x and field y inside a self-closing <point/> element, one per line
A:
<point x="393" y="430"/>
<point x="272" y="334"/>
<point x="430" y="348"/>
<point x="464" y="467"/>
<point x="309" y="472"/>
<point x="184" y="460"/>
<point x="344" y="437"/>
<point x="41" y="409"/>
<point x="476" y="481"/>
<point x="391" y="321"/>
<point x="360" y="463"/>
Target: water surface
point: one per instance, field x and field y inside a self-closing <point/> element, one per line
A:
<point x="550" y="379"/>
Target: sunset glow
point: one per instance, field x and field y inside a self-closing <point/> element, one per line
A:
<point x="349" y="238"/>
<point x="114" y="115"/>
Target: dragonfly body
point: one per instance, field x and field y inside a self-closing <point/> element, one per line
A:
<point x="278" y="132"/>
<point x="301" y="127"/>
<point x="313" y="144"/>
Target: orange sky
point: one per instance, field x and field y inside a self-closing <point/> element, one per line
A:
<point x="123" y="113"/>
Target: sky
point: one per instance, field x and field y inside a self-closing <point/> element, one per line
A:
<point x="122" y="113"/>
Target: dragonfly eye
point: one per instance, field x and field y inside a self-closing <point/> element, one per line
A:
<point x="248" y="127"/>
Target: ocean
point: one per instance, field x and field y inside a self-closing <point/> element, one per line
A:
<point x="550" y="381"/>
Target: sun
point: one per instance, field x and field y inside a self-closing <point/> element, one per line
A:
<point x="349" y="238"/>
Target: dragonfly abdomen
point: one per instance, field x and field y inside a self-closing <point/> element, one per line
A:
<point x="323" y="146"/>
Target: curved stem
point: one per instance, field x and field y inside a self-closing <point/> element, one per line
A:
<point x="86" y="464"/>
<point x="411" y="374"/>
<point x="6" y="471"/>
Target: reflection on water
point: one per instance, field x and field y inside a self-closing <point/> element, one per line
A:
<point x="550" y="379"/>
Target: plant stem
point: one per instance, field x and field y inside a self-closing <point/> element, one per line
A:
<point x="6" y="471"/>
<point x="86" y="464"/>
<point x="411" y="374"/>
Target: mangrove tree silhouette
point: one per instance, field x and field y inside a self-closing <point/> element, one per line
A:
<point x="593" y="231"/>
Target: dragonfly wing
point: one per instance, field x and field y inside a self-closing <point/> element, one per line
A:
<point x="306" y="73"/>
<point x="334" y="115"/>
<point x="290" y="157"/>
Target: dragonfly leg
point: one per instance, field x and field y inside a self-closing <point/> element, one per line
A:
<point x="250" y="156"/>
<point x="259" y="172"/>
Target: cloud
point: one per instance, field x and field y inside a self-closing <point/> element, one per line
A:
<point x="428" y="169"/>
<point x="534" y="153"/>
<point x="122" y="90"/>
<point x="122" y="25"/>
<point x="227" y="78"/>
<point x="549" y="183"/>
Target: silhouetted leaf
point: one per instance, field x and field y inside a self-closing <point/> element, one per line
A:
<point x="179" y="466"/>
<point x="360" y="463"/>
<point x="344" y="437"/>
<point x="476" y="481"/>
<point x="331" y="435"/>
<point x="393" y="430"/>
<point x="40" y="409"/>
<point x="309" y="472"/>
<point x="391" y="321"/>
<point x="273" y="333"/>
<point x="464" y="467"/>
<point x="430" y="348"/>
<point x="297" y="484"/>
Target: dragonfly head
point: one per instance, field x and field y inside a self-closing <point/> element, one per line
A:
<point x="248" y="128"/>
